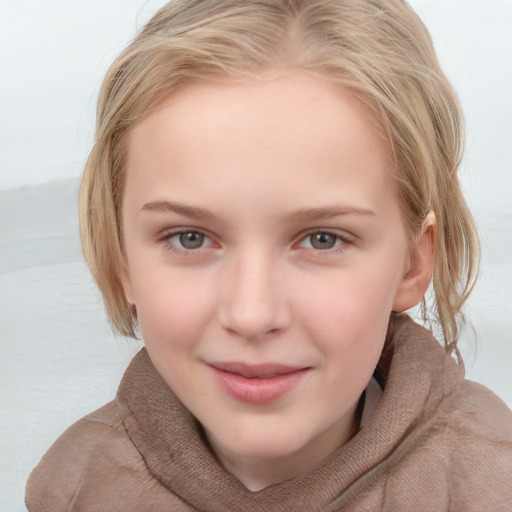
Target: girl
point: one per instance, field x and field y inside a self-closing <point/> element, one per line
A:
<point x="273" y="185"/>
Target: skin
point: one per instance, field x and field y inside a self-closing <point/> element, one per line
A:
<point x="275" y="163"/>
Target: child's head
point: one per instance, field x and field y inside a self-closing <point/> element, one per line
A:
<point x="377" y="50"/>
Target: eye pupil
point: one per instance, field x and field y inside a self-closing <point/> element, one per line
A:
<point x="191" y="240"/>
<point x="323" y="240"/>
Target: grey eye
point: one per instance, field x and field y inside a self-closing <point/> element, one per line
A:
<point x="191" y="239"/>
<point x="323" y="241"/>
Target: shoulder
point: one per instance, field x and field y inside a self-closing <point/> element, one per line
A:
<point x="455" y="456"/>
<point x="475" y="428"/>
<point x="89" y="448"/>
<point x="483" y="413"/>
<point x="480" y="424"/>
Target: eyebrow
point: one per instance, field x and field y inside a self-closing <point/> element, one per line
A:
<point x="324" y="213"/>
<point x="300" y="215"/>
<point x="193" y="212"/>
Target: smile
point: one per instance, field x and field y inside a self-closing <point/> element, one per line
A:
<point x="257" y="384"/>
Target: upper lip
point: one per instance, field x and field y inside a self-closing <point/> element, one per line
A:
<point x="265" y="370"/>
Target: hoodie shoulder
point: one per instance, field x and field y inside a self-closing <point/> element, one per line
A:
<point x="88" y="446"/>
<point x="481" y="447"/>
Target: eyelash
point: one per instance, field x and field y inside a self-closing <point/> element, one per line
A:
<point x="342" y="240"/>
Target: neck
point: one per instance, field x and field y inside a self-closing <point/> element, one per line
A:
<point x="256" y="473"/>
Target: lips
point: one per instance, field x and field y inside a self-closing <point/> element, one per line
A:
<point x="260" y="371"/>
<point x="257" y="384"/>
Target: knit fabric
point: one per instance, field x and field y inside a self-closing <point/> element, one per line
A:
<point x="436" y="442"/>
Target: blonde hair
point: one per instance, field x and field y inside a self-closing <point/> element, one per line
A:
<point x="378" y="49"/>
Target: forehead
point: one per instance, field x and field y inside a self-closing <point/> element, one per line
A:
<point x="278" y="137"/>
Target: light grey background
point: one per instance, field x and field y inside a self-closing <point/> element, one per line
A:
<point x="58" y="357"/>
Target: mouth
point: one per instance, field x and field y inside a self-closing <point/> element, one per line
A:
<point x="258" y="371"/>
<point x="257" y="384"/>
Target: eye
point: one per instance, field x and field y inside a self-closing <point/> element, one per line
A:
<point x="188" y="240"/>
<point x="322" y="241"/>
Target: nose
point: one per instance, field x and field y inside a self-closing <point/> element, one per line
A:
<point x="254" y="303"/>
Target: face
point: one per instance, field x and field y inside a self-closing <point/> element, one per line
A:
<point x="265" y="251"/>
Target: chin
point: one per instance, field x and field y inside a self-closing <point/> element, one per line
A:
<point x="262" y="443"/>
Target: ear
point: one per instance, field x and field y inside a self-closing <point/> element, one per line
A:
<point x="127" y="284"/>
<point x="420" y="266"/>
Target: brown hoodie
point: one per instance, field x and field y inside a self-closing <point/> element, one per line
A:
<point x="436" y="442"/>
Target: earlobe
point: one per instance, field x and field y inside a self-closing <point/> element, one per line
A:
<point x="417" y="278"/>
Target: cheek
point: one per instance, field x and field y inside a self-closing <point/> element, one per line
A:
<point x="173" y="313"/>
<point x="349" y="300"/>
<point x="347" y="318"/>
<point x="173" y="308"/>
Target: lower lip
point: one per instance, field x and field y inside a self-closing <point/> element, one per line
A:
<point x="258" y="391"/>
